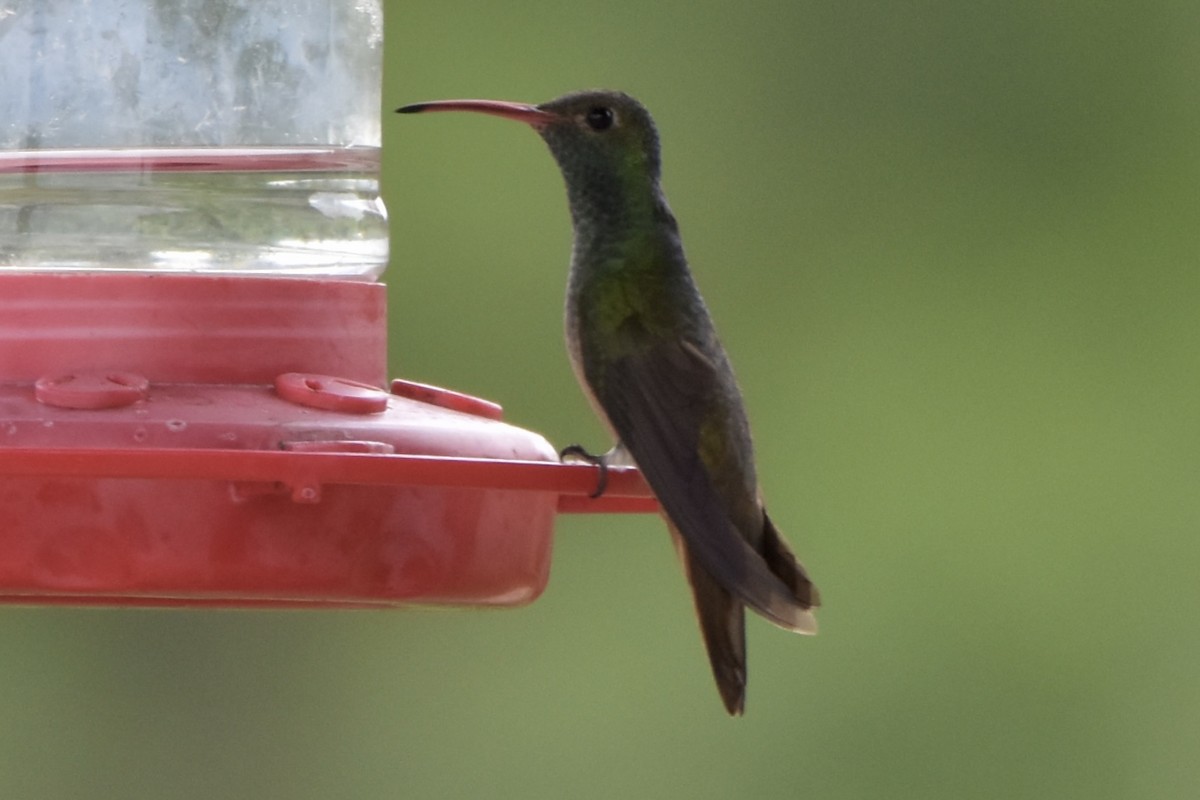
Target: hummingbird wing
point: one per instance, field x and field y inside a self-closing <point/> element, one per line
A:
<point x="659" y="400"/>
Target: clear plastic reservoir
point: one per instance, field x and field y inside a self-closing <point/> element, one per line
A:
<point x="200" y="136"/>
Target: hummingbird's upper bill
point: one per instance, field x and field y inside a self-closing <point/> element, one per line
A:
<point x="521" y="112"/>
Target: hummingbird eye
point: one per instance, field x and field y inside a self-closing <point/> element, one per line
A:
<point x="600" y="118"/>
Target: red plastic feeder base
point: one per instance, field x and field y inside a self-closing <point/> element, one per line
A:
<point x="187" y="440"/>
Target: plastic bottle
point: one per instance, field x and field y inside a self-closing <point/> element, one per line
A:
<point x="195" y="136"/>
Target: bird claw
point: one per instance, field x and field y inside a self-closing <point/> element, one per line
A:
<point x="601" y="461"/>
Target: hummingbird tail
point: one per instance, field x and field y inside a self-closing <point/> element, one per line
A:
<point x="723" y="626"/>
<point x="783" y="565"/>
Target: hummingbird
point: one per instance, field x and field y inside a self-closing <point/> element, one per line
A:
<point x="645" y="351"/>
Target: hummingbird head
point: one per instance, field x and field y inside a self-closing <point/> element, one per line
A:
<point x="605" y="143"/>
<point x="596" y="132"/>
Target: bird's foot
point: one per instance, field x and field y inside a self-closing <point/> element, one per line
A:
<point x="575" y="451"/>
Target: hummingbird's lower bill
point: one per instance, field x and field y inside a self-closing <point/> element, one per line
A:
<point x="647" y="355"/>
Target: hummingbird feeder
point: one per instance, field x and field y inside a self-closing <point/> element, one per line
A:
<point x="194" y="404"/>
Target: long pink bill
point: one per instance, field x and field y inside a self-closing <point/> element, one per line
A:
<point x="530" y="115"/>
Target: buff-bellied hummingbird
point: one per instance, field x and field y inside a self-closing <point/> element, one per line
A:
<point x="645" y="351"/>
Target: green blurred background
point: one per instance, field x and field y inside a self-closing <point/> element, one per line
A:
<point x="951" y="248"/>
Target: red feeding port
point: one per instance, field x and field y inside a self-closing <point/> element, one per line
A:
<point x="205" y="440"/>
